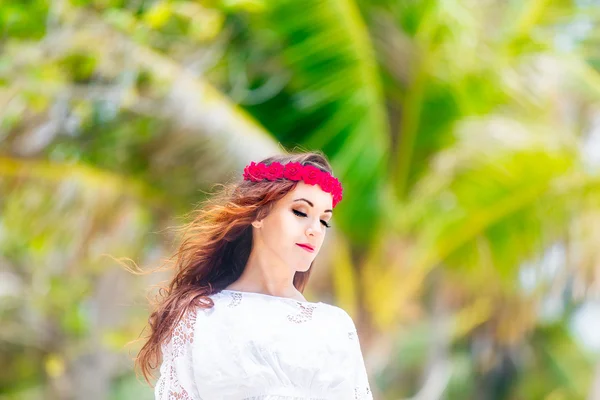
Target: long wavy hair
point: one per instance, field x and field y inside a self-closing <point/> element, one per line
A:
<point x="214" y="250"/>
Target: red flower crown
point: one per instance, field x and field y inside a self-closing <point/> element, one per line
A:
<point x="295" y="171"/>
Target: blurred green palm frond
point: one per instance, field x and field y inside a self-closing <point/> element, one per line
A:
<point x="334" y="99"/>
<point x="192" y="131"/>
<point x="502" y="195"/>
<point x="85" y="177"/>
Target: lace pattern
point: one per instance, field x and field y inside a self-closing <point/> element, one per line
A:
<point x="362" y="393"/>
<point x="236" y="299"/>
<point x="175" y="390"/>
<point x="306" y="312"/>
<point x="180" y="380"/>
<point x="177" y="363"/>
<point x="183" y="334"/>
<point x="276" y="397"/>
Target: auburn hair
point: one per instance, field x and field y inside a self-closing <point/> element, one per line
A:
<point x="213" y="252"/>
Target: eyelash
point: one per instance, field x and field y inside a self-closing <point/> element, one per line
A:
<point x="301" y="214"/>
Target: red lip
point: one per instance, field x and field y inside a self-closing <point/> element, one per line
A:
<point x="306" y="247"/>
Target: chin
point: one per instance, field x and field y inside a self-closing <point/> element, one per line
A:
<point x="303" y="268"/>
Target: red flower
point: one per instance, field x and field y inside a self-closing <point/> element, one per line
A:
<point x="255" y="172"/>
<point x="274" y="171"/>
<point x="326" y="183"/>
<point x="248" y="171"/>
<point x="336" y="192"/>
<point x="311" y="175"/>
<point x="260" y="171"/>
<point x="293" y="171"/>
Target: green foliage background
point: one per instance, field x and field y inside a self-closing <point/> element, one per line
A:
<point x="465" y="134"/>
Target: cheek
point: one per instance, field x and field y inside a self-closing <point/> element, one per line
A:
<point x="291" y="223"/>
<point x="283" y="228"/>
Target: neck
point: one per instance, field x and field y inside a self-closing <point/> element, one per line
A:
<point x="261" y="275"/>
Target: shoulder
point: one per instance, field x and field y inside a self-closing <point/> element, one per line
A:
<point x="194" y="312"/>
<point x="339" y="313"/>
<point x="186" y="321"/>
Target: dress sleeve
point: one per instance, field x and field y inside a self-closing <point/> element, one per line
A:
<point x="176" y="372"/>
<point x="362" y="389"/>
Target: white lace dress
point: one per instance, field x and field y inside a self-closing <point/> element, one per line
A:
<point x="256" y="346"/>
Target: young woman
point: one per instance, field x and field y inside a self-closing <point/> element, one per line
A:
<point x="233" y="323"/>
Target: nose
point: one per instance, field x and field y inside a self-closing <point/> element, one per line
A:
<point x="313" y="228"/>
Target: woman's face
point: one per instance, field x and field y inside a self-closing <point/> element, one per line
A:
<point x="299" y="218"/>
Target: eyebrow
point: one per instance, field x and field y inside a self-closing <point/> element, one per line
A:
<point x="311" y="204"/>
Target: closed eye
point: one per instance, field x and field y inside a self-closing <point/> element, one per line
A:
<point x="301" y="214"/>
